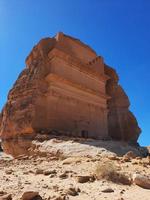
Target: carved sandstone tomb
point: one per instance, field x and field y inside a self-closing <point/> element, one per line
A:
<point x="67" y="88"/>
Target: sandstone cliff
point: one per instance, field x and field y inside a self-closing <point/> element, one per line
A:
<point x="122" y="123"/>
<point x="26" y="112"/>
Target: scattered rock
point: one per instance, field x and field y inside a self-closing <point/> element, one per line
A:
<point x="48" y="172"/>
<point x="134" y="162"/>
<point x="45" y="186"/>
<point x="63" y="175"/>
<point x="141" y="180"/>
<point x="31" y="195"/>
<point x="27" y="182"/>
<point x="9" y="171"/>
<point x="26" y="172"/>
<point x="122" y="191"/>
<point x="71" y="160"/>
<point x="108" y="190"/>
<point x="72" y="191"/>
<point x="113" y="157"/>
<point x="126" y="159"/>
<point x="39" y="171"/>
<point x="84" y="179"/>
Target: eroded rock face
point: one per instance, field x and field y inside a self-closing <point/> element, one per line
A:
<point x="66" y="88"/>
<point x="122" y="125"/>
<point x="19" y="111"/>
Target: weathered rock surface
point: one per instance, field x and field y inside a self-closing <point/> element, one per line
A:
<point x="122" y="124"/>
<point x="141" y="180"/>
<point x="67" y="89"/>
<point x="31" y="195"/>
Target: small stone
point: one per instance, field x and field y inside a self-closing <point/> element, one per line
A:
<point x="31" y="195"/>
<point x="27" y="182"/>
<point x="134" y="162"/>
<point x="52" y="176"/>
<point x="9" y="171"/>
<point x="39" y="171"/>
<point x="72" y="191"/>
<point x="108" y="190"/>
<point x="84" y="179"/>
<point x="141" y="180"/>
<point x="26" y="172"/>
<point x="122" y="191"/>
<point x="113" y="157"/>
<point x="48" y="172"/>
<point x="63" y="176"/>
<point x="45" y="186"/>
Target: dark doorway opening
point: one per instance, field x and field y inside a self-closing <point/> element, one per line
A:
<point x="84" y="133"/>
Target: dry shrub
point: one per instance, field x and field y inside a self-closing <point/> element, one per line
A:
<point x="109" y="171"/>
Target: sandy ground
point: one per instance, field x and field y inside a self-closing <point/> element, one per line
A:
<point x="53" y="175"/>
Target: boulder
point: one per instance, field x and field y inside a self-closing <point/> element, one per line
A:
<point x="31" y="195"/>
<point x="141" y="180"/>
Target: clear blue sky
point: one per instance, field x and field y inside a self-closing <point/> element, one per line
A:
<point x="119" y="30"/>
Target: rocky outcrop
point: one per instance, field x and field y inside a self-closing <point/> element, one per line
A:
<point x="66" y="87"/>
<point x="122" y="125"/>
<point x="19" y="111"/>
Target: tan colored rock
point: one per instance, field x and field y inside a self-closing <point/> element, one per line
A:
<point x="108" y="190"/>
<point x="72" y="191"/>
<point x="39" y="171"/>
<point x="9" y="171"/>
<point x="63" y="175"/>
<point x="65" y="89"/>
<point x="84" y="179"/>
<point x="31" y="195"/>
<point x="71" y="160"/>
<point x="141" y="180"/>
<point x="49" y="172"/>
<point x="113" y="157"/>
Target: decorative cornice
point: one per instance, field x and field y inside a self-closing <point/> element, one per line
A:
<point x="76" y="63"/>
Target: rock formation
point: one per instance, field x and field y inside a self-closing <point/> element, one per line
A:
<point x="122" y="124"/>
<point x="68" y="89"/>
